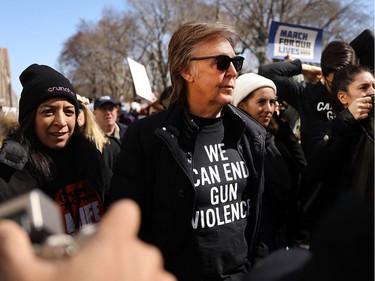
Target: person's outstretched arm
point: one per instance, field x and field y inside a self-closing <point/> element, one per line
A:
<point x="113" y="253"/>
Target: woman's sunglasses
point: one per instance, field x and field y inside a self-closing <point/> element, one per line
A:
<point x="223" y="61"/>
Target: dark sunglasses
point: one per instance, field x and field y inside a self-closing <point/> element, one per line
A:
<point x="223" y="61"/>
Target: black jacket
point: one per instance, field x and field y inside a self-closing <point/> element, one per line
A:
<point x="110" y="151"/>
<point x="283" y="167"/>
<point x="79" y="180"/>
<point x="310" y="100"/>
<point x="113" y="147"/>
<point x="342" y="159"/>
<point x="154" y="168"/>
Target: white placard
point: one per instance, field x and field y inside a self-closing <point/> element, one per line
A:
<point x="140" y="80"/>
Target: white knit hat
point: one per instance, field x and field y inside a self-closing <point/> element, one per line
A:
<point x="248" y="83"/>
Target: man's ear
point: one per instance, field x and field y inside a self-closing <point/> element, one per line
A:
<point x="343" y="98"/>
<point x="187" y="75"/>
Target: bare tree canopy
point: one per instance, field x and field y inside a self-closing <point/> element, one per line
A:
<point x="95" y="57"/>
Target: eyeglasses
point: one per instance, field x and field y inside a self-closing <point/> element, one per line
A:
<point x="223" y="61"/>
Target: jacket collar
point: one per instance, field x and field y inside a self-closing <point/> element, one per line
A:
<point x="178" y="121"/>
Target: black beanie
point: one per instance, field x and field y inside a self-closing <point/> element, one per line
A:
<point x="40" y="83"/>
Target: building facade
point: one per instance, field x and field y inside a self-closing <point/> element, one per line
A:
<point x="8" y="98"/>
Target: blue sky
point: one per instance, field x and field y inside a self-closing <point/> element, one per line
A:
<point x="35" y="31"/>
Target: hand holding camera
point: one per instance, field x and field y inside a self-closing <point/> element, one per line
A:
<point x="113" y="253"/>
<point x="40" y="217"/>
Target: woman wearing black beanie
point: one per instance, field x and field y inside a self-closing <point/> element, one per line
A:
<point x="47" y="150"/>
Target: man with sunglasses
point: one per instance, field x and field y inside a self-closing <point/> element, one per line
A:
<point x="196" y="168"/>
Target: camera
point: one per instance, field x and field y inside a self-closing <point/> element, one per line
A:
<point x="41" y="218"/>
<point x="36" y="213"/>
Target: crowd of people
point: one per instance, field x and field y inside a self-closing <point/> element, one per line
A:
<point x="213" y="184"/>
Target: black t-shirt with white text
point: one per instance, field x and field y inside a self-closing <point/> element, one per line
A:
<point x="222" y="205"/>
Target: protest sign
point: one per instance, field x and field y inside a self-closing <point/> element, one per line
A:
<point x="297" y="41"/>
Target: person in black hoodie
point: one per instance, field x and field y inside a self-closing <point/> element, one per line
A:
<point x="343" y="150"/>
<point x="47" y="150"/>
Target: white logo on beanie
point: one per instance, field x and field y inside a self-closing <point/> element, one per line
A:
<point x="60" y="89"/>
